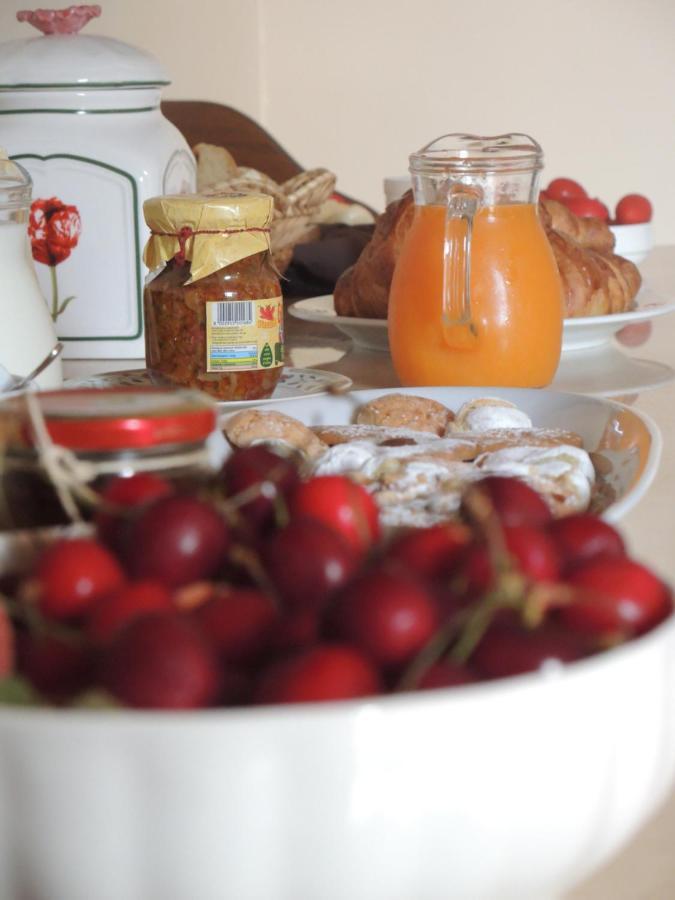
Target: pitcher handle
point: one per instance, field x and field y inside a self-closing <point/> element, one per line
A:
<point x="463" y="203"/>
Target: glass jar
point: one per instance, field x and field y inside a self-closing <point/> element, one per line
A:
<point x="110" y="432"/>
<point x="28" y="333"/>
<point x="214" y="313"/>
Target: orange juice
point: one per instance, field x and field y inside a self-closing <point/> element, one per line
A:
<point x="516" y="302"/>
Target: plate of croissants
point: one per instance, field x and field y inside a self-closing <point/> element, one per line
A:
<point x="603" y="292"/>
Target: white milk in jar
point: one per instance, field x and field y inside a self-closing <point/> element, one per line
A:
<point x="27" y="332"/>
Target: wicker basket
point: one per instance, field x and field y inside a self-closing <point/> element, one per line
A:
<point x="296" y="203"/>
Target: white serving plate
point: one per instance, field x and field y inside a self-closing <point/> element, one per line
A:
<point x="586" y="332"/>
<point x="580" y="333"/>
<point x="295" y="384"/>
<point x="629" y="439"/>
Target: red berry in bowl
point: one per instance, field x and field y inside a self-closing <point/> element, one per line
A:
<point x="266" y="478"/>
<point x="508" y="650"/>
<point x="562" y="189"/>
<point x="177" y="540"/>
<point x="617" y="596"/>
<point x="322" y="672"/>
<point x="429" y="552"/>
<point x="129" y="493"/>
<point x="513" y="501"/>
<point x="307" y="561"/>
<point x="531" y="551"/>
<point x="238" y="622"/>
<point x="390" y="616"/>
<point x="587" y="207"/>
<point x="56" y="666"/>
<point x="633" y="209"/>
<point x="341" y="504"/>
<point x="128" y="602"/>
<point x="161" y="661"/>
<point x="72" y="574"/>
<point x="445" y="674"/>
<point x="582" y="537"/>
<point x="6" y="643"/>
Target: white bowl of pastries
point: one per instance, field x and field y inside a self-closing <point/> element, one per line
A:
<point x="417" y="448"/>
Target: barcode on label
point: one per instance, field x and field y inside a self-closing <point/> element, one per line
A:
<point x="235" y="312"/>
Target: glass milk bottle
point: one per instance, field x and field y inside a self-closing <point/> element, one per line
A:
<point x="27" y="334"/>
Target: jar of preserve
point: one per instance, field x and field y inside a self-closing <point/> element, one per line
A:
<point x="214" y="313"/>
<point x="83" y="437"/>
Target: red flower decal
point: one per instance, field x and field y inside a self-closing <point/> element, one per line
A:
<point x="267" y="313"/>
<point x="54" y="230"/>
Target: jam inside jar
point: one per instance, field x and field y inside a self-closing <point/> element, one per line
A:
<point x="214" y="313"/>
<point x="176" y="342"/>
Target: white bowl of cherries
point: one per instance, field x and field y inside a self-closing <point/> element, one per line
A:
<point x="476" y="710"/>
<point x="631" y="223"/>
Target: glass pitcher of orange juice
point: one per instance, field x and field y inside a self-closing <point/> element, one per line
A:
<point x="476" y="298"/>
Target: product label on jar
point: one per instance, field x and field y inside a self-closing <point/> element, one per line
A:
<point x="244" y="334"/>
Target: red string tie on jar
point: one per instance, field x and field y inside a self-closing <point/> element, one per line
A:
<point x="186" y="232"/>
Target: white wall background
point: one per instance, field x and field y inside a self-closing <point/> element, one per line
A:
<point x="356" y="85"/>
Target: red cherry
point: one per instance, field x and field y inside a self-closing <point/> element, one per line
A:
<point x="510" y="650"/>
<point x="270" y="477"/>
<point x="616" y="596"/>
<point x="322" y="672"/>
<point x="445" y="674"/>
<point x="6" y="643"/>
<point x="532" y="551"/>
<point x="295" y="630"/>
<point x="308" y="561"/>
<point x="238" y="622"/>
<point x="57" y="667"/>
<point x="582" y="537"/>
<point x="341" y="504"/>
<point x="177" y="540"/>
<point x="128" y="602"/>
<point x="513" y="501"/>
<point x="429" y="552"/>
<point x="130" y="493"/>
<point x="161" y="661"/>
<point x="390" y="616"/>
<point x="72" y="574"/>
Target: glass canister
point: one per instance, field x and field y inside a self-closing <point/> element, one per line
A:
<point x="27" y="333"/>
<point x="476" y="297"/>
<point x="104" y="433"/>
<point x="214" y="313"/>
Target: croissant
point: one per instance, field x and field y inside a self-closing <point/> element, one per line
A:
<point x="595" y="280"/>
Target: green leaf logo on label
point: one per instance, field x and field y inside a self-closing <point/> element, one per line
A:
<point x="266" y="358"/>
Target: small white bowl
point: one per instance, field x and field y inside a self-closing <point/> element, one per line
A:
<point x="395" y="187"/>
<point x="633" y="241"/>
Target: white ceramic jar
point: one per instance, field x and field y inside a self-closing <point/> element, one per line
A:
<point x="82" y="114"/>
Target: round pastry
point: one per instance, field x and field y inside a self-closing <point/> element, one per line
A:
<point x="250" y="426"/>
<point x="491" y="441"/>
<point x="489" y="414"/>
<point x="563" y="475"/>
<point x="375" y="434"/>
<point x="406" y="411"/>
